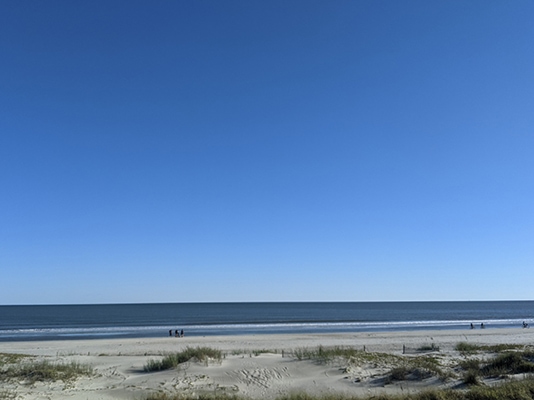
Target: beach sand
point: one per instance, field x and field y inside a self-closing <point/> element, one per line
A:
<point x="253" y="366"/>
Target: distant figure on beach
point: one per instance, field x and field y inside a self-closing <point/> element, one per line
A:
<point x="176" y="333"/>
<point x="525" y="325"/>
<point x="182" y="333"/>
<point x="170" y="332"/>
<point x="482" y="325"/>
<point x="472" y="326"/>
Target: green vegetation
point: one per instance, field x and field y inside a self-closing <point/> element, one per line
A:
<point x="173" y="360"/>
<point x="7" y="395"/>
<point x="11" y="358"/>
<point x="418" y="368"/>
<point x="510" y="363"/>
<point x="507" y="363"/>
<point x="352" y="355"/>
<point x="467" y="348"/>
<point x="471" y="364"/>
<point x="326" y="354"/>
<point x="428" y="347"/>
<point x="513" y="390"/>
<point x="404" y="367"/>
<point x="399" y="373"/>
<point x="257" y="352"/>
<point x="471" y="375"/>
<point x="31" y="372"/>
<point x="254" y="352"/>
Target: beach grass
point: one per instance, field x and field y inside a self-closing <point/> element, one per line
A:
<point x="428" y="347"/>
<point x="11" y="358"/>
<point x="503" y="365"/>
<point x="173" y="360"/>
<point x="510" y="363"/>
<point x="418" y="368"/>
<point x="402" y="368"/>
<point x="254" y="352"/>
<point x="469" y="348"/>
<point x="326" y="354"/>
<point x="323" y="354"/>
<point x="471" y="375"/>
<point x="39" y="371"/>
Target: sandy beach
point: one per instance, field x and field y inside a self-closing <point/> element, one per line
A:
<point x="253" y="366"/>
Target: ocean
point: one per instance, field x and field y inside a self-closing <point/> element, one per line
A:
<point x="50" y="322"/>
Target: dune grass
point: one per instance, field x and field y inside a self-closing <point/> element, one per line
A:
<point x="31" y="372"/>
<point x="254" y="352"/>
<point x="503" y="365"/>
<point x="418" y="368"/>
<point x="173" y="360"/>
<point x="402" y="368"/>
<point x="325" y="355"/>
<point x="511" y="359"/>
<point x="11" y="358"/>
<point x="468" y="348"/>
<point x="510" y="363"/>
<point x="428" y="347"/>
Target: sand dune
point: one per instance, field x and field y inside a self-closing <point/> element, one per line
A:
<point x="259" y="366"/>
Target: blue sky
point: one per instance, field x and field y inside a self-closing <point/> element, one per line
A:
<point x="184" y="151"/>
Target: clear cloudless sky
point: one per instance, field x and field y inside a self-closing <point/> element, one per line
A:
<point x="198" y="151"/>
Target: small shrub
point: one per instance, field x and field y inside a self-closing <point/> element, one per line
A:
<point x="173" y="360"/>
<point x="399" y="373"/>
<point x="471" y="364"/>
<point x="467" y="348"/>
<point x="411" y="372"/>
<point x="471" y="377"/>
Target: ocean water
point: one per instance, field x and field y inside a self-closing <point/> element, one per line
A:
<point x="47" y="322"/>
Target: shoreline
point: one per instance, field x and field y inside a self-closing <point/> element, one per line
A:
<point x="162" y="332"/>
<point x="253" y="366"/>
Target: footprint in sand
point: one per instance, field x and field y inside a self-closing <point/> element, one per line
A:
<point x="260" y="376"/>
